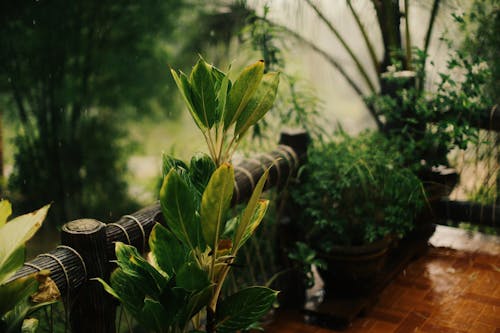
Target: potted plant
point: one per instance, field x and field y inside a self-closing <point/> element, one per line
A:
<point x="426" y="124"/>
<point x="355" y="198"/>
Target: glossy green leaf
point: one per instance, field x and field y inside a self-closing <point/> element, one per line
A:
<point x="178" y="205"/>
<point x="197" y="301"/>
<point x="15" y="291"/>
<point x="242" y="90"/>
<point x="203" y="93"/>
<point x="200" y="170"/>
<point x="127" y="289"/>
<point x="21" y="290"/>
<point x="231" y="226"/>
<point x="174" y="301"/>
<point x="261" y="102"/>
<point x="222" y="88"/>
<point x="133" y="264"/>
<point x="169" y="163"/>
<point x="256" y="219"/>
<point x="184" y="86"/>
<point x="167" y="251"/>
<point x="218" y="76"/>
<point x="240" y="310"/>
<point x="12" y="263"/>
<point x="15" y="233"/>
<point x="215" y="203"/>
<point x="107" y="287"/>
<point x="191" y="277"/>
<point x="153" y="315"/>
<point x="13" y="320"/>
<point x="247" y="218"/>
<point x="5" y="211"/>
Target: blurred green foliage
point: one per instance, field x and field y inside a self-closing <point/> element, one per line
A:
<point x="71" y="73"/>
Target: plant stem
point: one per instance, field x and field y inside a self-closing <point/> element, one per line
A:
<point x="407" y="34"/>
<point x="342" y="41"/>
<point x="427" y="40"/>
<point x="220" y="147"/>
<point x="218" y="287"/>
<point x="210" y="146"/>
<point x="368" y="43"/>
<point x="210" y="327"/>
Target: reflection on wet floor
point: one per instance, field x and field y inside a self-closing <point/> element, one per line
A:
<point x="450" y="289"/>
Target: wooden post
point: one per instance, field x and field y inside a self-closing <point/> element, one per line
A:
<point x="91" y="308"/>
<point x="291" y="284"/>
<point x="299" y="140"/>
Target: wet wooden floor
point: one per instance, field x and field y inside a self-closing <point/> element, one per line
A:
<point x="446" y="290"/>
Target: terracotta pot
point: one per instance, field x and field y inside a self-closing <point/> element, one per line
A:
<point x="352" y="270"/>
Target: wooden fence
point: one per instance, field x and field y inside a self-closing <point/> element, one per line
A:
<point x="468" y="211"/>
<point x="87" y="247"/>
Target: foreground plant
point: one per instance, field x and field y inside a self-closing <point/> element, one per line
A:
<point x="191" y="257"/>
<point x="15" y="300"/>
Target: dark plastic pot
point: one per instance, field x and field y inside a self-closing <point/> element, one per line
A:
<point x="353" y="270"/>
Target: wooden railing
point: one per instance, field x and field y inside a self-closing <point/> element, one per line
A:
<point x="468" y="211"/>
<point x="87" y="247"/>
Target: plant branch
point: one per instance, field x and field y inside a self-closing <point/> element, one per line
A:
<point x="408" y="35"/>
<point x="427" y="40"/>
<point x="360" y="67"/>
<point x="332" y="62"/>
<point x="432" y="19"/>
<point x="218" y="287"/>
<point x="323" y="53"/>
<point x="368" y="43"/>
<point x="211" y="150"/>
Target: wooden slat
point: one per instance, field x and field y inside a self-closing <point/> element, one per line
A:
<point x="490" y="120"/>
<point x="466" y="211"/>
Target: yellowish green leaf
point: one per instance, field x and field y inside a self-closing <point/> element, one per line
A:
<point x="5" y="211"/>
<point x="184" y="86"/>
<point x="249" y="212"/>
<point x="242" y="90"/>
<point x="178" y="205"/>
<point x="215" y="203"/>
<point x="15" y="233"/>
<point x="261" y="102"/>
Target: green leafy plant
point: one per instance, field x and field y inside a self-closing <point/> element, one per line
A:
<point x="425" y="125"/>
<point x="15" y="301"/>
<point x="193" y="254"/>
<point x="224" y="111"/>
<point x="307" y="257"/>
<point x="355" y="191"/>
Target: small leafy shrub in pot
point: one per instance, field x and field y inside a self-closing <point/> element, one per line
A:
<point x="354" y="193"/>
